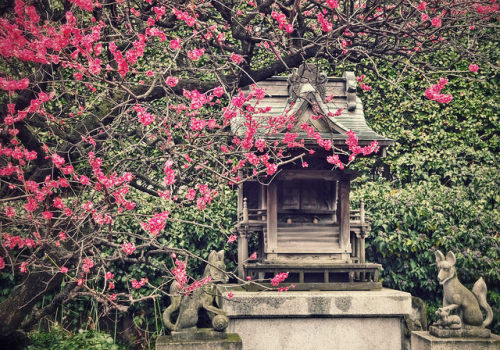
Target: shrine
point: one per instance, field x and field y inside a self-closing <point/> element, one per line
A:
<point x="299" y="220"/>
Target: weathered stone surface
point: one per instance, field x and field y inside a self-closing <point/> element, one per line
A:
<point x="468" y="320"/>
<point x="384" y="302"/>
<point x="188" y="305"/>
<point x="317" y="333"/>
<point x="230" y="342"/>
<point x="354" y="320"/>
<point x="467" y="331"/>
<point x="426" y="341"/>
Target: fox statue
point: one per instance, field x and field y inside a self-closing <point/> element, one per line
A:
<point x="457" y="297"/>
<point x="188" y="304"/>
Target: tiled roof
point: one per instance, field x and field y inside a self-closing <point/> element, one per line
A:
<point x="343" y="89"/>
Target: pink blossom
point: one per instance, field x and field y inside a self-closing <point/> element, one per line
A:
<point x="175" y="44"/>
<point x="230" y="295"/>
<point x="24" y="267"/>
<point x="112" y="297"/>
<point x="156" y="223"/>
<point x="195" y="54"/>
<point x="109" y="275"/>
<point x="172" y="81"/>
<point x="2" y="263"/>
<point x="10" y="212"/>
<point x="422" y="6"/>
<point x="80" y="281"/>
<point x="218" y="91"/>
<point x="87" y="265"/>
<point x="191" y="194"/>
<point x="236" y="58"/>
<point x="169" y="172"/>
<point x="333" y="4"/>
<point x="279" y="278"/>
<point x="436" y="22"/>
<point x="253" y="256"/>
<point x="473" y="67"/>
<point x="138" y="284"/>
<point x="64" y="269"/>
<point x="232" y="238"/>
<point x="128" y="248"/>
<point x="47" y="215"/>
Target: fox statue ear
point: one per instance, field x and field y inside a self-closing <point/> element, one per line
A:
<point x="439" y="256"/>
<point x="212" y="256"/>
<point x="221" y="255"/>
<point x="450" y="257"/>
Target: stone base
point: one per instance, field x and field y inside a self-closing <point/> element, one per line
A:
<point x="466" y="332"/>
<point x="202" y="339"/>
<point x="426" y="341"/>
<point x="350" y="320"/>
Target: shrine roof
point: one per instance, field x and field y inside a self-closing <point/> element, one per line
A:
<point x="304" y="91"/>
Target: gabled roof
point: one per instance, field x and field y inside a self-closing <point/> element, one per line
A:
<point x="306" y="89"/>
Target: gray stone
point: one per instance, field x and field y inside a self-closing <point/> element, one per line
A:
<point x="317" y="320"/>
<point x="426" y="341"/>
<point x="228" y="342"/>
<point x="468" y="320"/>
<point x="465" y="331"/>
<point x="383" y="302"/>
<point x="188" y="305"/>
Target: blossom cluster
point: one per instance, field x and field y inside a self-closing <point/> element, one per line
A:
<point x="138" y="284"/>
<point x="433" y="92"/>
<point x="155" y="224"/>
<point x="280" y="277"/>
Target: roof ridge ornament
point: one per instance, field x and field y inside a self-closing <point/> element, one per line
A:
<point x="307" y="73"/>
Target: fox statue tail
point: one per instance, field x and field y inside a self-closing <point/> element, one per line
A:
<point x="479" y="290"/>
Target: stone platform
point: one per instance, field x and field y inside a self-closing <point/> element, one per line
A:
<point x="426" y="341"/>
<point x="347" y="320"/>
<point x="202" y="340"/>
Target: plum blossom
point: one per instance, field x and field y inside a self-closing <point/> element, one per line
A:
<point x="473" y="67"/>
<point x="280" y="277"/>
<point x="172" y="81"/>
<point x="128" y="247"/>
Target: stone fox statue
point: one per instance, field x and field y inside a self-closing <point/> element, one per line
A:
<point x="188" y="305"/>
<point x="457" y="297"/>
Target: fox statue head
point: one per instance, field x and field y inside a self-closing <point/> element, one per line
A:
<point x="216" y="267"/>
<point x="446" y="266"/>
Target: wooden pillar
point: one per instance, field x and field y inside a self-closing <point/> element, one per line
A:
<point x="344" y="217"/>
<point x="272" y="220"/>
<point x="362" y="233"/>
<point x="242" y="253"/>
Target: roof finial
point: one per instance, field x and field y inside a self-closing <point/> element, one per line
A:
<point x="306" y="73"/>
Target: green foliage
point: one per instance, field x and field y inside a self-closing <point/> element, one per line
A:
<point x="442" y="192"/>
<point x="57" y="339"/>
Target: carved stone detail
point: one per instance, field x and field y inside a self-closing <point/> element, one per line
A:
<point x="203" y="298"/>
<point x="307" y="73"/>
<point x="468" y="322"/>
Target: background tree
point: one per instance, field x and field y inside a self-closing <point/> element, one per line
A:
<point x="115" y="120"/>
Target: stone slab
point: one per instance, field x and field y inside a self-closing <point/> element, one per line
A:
<point x="379" y="303"/>
<point x="426" y="341"/>
<point x="319" y="333"/>
<point x="293" y="320"/>
<point x="465" y="332"/>
<point x="231" y="342"/>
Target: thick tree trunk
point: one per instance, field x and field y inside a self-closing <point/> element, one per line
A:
<point x="19" y="304"/>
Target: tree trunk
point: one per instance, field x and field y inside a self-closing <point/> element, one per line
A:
<point x="14" y="309"/>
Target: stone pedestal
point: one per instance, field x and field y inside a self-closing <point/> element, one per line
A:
<point x="426" y="341"/>
<point x="348" y="320"/>
<point x="203" y="339"/>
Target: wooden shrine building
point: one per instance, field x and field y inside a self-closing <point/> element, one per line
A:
<point x="299" y="220"/>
